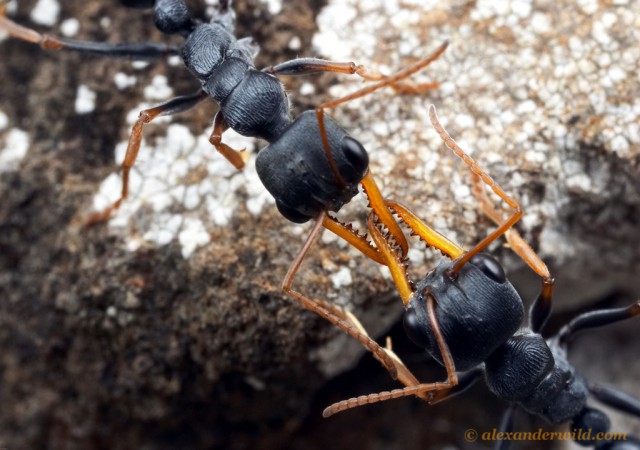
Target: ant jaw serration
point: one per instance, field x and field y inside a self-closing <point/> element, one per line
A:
<point x="412" y="233"/>
<point x="348" y="227"/>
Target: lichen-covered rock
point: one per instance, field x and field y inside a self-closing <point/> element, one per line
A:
<point x="167" y="328"/>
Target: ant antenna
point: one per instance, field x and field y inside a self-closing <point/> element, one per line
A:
<point x="477" y="170"/>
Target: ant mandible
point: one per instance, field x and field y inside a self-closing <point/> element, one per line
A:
<point x="468" y="316"/>
<point x="252" y="102"/>
<point x="311" y="165"/>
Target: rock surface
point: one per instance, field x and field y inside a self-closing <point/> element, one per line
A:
<point x="167" y="327"/>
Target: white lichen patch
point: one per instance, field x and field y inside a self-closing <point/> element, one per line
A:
<point x="12" y="6"/>
<point x="45" y="12"/>
<point x="180" y="188"/>
<point x="341" y="278"/>
<point x="16" y="146"/>
<point x="85" y="100"/>
<point x="159" y="89"/>
<point x="274" y="6"/>
<point x="4" y="121"/>
<point x="124" y="81"/>
<point x="69" y="27"/>
<point x="515" y="92"/>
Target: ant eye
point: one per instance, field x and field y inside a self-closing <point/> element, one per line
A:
<point x="489" y="266"/>
<point x="355" y="154"/>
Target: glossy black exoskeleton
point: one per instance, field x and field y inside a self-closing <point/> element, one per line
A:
<point x="311" y="165"/>
<point x="466" y="314"/>
<point x="480" y="315"/>
<point x="295" y="170"/>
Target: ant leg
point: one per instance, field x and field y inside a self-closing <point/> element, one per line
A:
<point x="307" y="66"/>
<point x="236" y="157"/>
<point x="404" y="374"/>
<point x="594" y="319"/>
<point x="506" y="426"/>
<point x="388" y="81"/>
<point x="616" y="399"/>
<point x="144" y="50"/>
<point x="473" y="166"/>
<point x="333" y="313"/>
<point x="426" y="388"/>
<point x="541" y="307"/>
<point x="173" y="106"/>
<point x="362" y="244"/>
<point x="465" y="381"/>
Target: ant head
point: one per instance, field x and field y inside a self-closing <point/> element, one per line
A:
<point x="296" y="171"/>
<point x="478" y="311"/>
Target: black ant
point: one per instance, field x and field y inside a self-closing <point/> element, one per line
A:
<point x="468" y="316"/>
<point x="311" y="165"/>
<point x="252" y="102"/>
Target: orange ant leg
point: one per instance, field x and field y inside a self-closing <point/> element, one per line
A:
<point x="307" y="66"/>
<point x="473" y="166"/>
<point x="361" y="243"/>
<point x="343" y="320"/>
<point x="465" y="381"/>
<point x="541" y="307"/>
<point x="430" y="389"/>
<point x="29" y="35"/>
<point x="404" y="374"/>
<point x="236" y="157"/>
<point x="388" y="81"/>
<point x="173" y="106"/>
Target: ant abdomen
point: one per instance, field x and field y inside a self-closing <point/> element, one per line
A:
<point x="476" y="309"/>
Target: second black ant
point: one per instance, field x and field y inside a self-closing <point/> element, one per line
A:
<point x="468" y="317"/>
